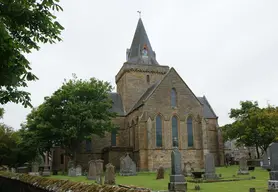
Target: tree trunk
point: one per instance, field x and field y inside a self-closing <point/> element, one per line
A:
<point x="257" y="150"/>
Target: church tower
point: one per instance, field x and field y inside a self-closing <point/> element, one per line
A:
<point x="140" y="71"/>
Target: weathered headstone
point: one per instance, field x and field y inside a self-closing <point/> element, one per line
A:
<point x="266" y="163"/>
<point x="99" y="167"/>
<point x="72" y="172"/>
<point x="78" y="170"/>
<point x="160" y="172"/>
<point x="22" y="170"/>
<point x="177" y="181"/>
<point x="92" y="173"/>
<point x="46" y="170"/>
<point x="210" y="167"/>
<point x="127" y="166"/>
<point x="109" y="174"/>
<point x="243" y="168"/>
<point x="99" y="171"/>
<point x="13" y="170"/>
<point x="273" y="174"/>
<point x="187" y="169"/>
<point x="35" y="168"/>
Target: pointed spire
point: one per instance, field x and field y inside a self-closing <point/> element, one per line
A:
<point x="141" y="51"/>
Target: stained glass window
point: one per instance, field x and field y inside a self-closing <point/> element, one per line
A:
<point x="173" y="98"/>
<point x="189" y="132"/>
<point x="158" y="131"/>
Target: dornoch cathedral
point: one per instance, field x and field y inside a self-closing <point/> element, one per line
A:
<point x="154" y="105"/>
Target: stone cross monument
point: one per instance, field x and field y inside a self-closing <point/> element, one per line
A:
<point x="46" y="171"/>
<point x="177" y="181"/>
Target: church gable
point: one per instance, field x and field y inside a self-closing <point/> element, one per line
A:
<point x="171" y="84"/>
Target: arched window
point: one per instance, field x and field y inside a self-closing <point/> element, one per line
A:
<point x="113" y="138"/>
<point x="189" y="132"/>
<point x="175" y="129"/>
<point x="158" y="131"/>
<point x="88" y="145"/>
<point x="148" y="79"/>
<point x="173" y="97"/>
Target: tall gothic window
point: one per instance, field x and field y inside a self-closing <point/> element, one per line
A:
<point x="189" y="132"/>
<point x="175" y="128"/>
<point x="114" y="137"/>
<point x="158" y="131"/>
<point x="88" y="145"/>
<point x="173" y="97"/>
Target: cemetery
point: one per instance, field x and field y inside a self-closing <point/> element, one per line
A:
<point x="227" y="178"/>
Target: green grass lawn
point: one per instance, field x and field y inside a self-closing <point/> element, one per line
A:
<point x="148" y="180"/>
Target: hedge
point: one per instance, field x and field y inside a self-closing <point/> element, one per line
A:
<point x="57" y="185"/>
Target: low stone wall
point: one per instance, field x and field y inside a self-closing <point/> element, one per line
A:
<point x="27" y="183"/>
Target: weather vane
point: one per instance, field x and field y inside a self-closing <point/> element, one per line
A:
<point x="139" y="13"/>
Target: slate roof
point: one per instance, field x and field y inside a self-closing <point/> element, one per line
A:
<point x="139" y="40"/>
<point x="207" y="109"/>
<point x="117" y="106"/>
<point x="145" y="96"/>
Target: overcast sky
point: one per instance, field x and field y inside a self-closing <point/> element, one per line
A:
<point x="226" y="50"/>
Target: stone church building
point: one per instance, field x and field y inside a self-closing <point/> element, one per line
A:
<point x="154" y="105"/>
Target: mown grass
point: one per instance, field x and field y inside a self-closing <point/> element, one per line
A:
<point x="148" y="180"/>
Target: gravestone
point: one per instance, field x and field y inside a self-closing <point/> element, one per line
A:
<point x="127" y="166"/>
<point x="99" y="167"/>
<point x="273" y="174"/>
<point x="13" y="170"/>
<point x="187" y="169"/>
<point x="35" y="168"/>
<point x="72" y="172"/>
<point x="78" y="170"/>
<point x="99" y="171"/>
<point x="243" y="168"/>
<point x="46" y="170"/>
<point x="109" y="174"/>
<point x="266" y="163"/>
<point x="22" y="170"/>
<point x="210" y="167"/>
<point x="160" y="172"/>
<point x="177" y="181"/>
<point x="92" y="173"/>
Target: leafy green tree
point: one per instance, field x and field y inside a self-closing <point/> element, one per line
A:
<point x="24" y="24"/>
<point x="253" y="126"/>
<point x="78" y="109"/>
<point x="8" y="145"/>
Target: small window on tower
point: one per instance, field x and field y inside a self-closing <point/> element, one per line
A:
<point x="148" y="79"/>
